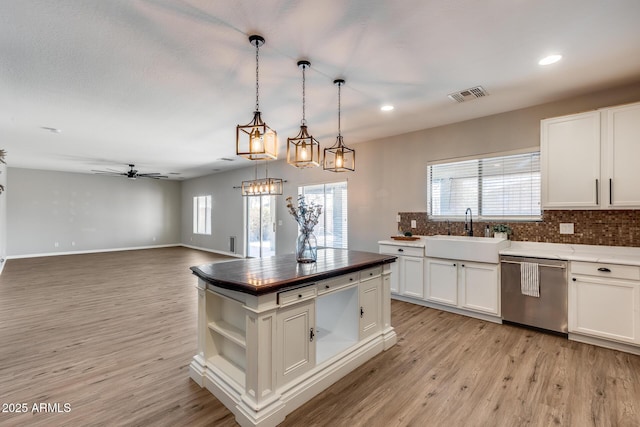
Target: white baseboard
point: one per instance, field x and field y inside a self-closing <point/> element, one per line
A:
<point x="213" y="251"/>
<point x="91" y="251"/>
<point x="94" y="251"/>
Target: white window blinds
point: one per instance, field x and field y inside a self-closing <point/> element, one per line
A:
<point x="494" y="187"/>
<point x="332" y="228"/>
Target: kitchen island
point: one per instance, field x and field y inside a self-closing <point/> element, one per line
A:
<point x="273" y="333"/>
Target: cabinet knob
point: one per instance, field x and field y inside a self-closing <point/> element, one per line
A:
<point x="454" y="264"/>
<point x="326" y="286"/>
<point x="351" y="279"/>
<point x="574" y="279"/>
<point x="299" y="296"/>
<point x="461" y="265"/>
<point x="400" y="250"/>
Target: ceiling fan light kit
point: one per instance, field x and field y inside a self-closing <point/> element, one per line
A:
<point x="256" y="140"/>
<point x="303" y="150"/>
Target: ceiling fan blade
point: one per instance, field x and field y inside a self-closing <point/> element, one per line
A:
<point x="152" y="175"/>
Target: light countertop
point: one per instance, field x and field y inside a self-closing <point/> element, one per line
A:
<point x="587" y="253"/>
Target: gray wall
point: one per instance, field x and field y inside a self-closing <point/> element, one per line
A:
<point x="3" y="215"/>
<point x="390" y="173"/>
<point x="84" y="212"/>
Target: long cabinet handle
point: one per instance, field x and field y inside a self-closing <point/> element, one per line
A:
<point x="597" y="193"/>
<point x="604" y="270"/>
<point x="610" y="191"/>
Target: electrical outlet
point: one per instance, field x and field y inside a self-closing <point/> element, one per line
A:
<point x="73" y="243"/>
<point x="279" y="223"/>
<point x="413" y="223"/>
<point x="398" y="218"/>
<point x="56" y="244"/>
<point x="566" y="228"/>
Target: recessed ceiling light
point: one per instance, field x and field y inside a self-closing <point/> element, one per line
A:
<point x="551" y="59"/>
<point x="50" y="129"/>
<point x="386" y="108"/>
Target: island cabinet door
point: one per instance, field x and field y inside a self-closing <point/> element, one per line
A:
<point x="370" y="306"/>
<point x="296" y="341"/>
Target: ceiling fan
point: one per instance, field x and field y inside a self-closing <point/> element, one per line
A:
<point x="131" y="173"/>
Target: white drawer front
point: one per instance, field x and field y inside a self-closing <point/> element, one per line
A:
<point x="337" y="283"/>
<point x="400" y="250"/>
<point x="296" y="295"/>
<point x="370" y="273"/>
<point x="614" y="271"/>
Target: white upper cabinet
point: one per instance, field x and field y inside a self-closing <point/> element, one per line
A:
<point x="590" y="160"/>
<point x="623" y="155"/>
<point x="570" y="161"/>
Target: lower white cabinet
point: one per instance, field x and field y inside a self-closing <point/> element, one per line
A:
<point x="467" y="285"/>
<point x="296" y="340"/>
<point x="604" y="301"/>
<point x="442" y="281"/>
<point x="370" y="291"/>
<point x="407" y="273"/>
<point x="480" y="290"/>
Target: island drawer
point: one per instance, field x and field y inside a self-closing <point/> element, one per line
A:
<point x="370" y="273"/>
<point x="401" y="250"/>
<point x="330" y="285"/>
<point x="614" y="271"/>
<point x="296" y="295"/>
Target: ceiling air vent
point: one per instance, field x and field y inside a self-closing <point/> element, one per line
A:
<point x="468" y="94"/>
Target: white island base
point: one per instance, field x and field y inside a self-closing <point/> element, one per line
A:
<point x="263" y="356"/>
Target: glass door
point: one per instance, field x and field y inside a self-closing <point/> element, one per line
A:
<point x="261" y="226"/>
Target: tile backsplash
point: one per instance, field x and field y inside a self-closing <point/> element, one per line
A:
<point x="592" y="227"/>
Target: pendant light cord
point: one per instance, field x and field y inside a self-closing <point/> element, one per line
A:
<point x="304" y="120"/>
<point x="339" y="87"/>
<point x="257" y="75"/>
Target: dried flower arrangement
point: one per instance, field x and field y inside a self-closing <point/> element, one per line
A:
<point x="305" y="214"/>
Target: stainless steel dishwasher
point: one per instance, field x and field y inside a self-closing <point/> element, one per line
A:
<point x="549" y="311"/>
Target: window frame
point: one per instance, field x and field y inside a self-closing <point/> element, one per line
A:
<point x="345" y="234"/>
<point x="477" y="213"/>
<point x="197" y="200"/>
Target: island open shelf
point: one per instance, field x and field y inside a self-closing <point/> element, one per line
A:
<point x="273" y="333"/>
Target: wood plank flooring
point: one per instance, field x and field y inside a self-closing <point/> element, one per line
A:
<point x="112" y="335"/>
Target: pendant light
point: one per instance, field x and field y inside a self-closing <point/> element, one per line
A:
<point x="256" y="140"/>
<point x="303" y="150"/>
<point x="339" y="157"/>
<point x="264" y="186"/>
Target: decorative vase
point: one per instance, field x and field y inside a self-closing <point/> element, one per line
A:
<point x="306" y="247"/>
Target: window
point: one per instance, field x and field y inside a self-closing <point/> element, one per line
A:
<point x="261" y="227"/>
<point x="202" y="215"/>
<point x="331" y="230"/>
<point x="494" y="187"/>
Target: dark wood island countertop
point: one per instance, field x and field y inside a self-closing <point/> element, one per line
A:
<point x="258" y="276"/>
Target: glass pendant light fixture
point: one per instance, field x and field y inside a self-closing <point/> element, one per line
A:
<point x="303" y="150"/>
<point x="264" y="186"/>
<point x="256" y="140"/>
<point x="339" y="157"/>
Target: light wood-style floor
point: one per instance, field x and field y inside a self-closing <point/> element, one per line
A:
<point x="112" y="335"/>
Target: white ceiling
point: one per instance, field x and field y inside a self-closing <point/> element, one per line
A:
<point x="163" y="84"/>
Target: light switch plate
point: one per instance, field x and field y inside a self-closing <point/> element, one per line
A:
<point x="413" y="223"/>
<point x="566" y="228"/>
